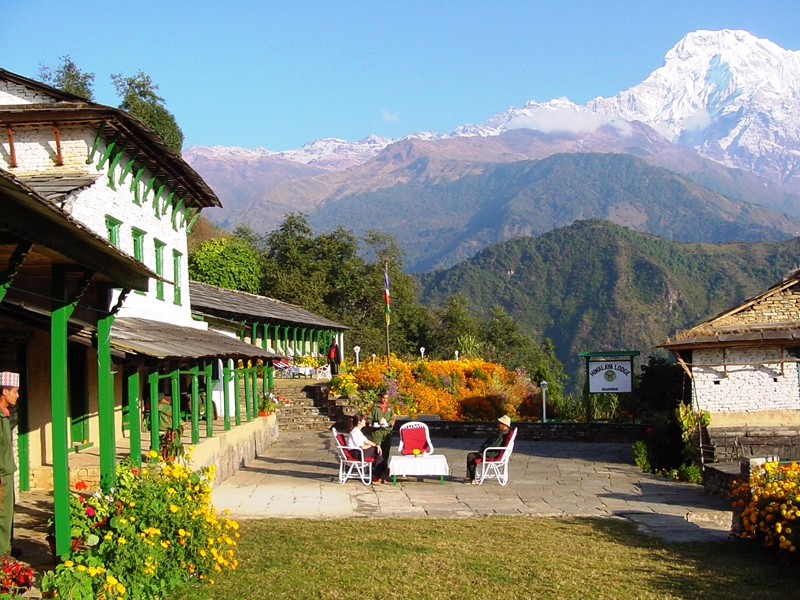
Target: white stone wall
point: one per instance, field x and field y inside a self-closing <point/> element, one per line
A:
<point x="747" y="388"/>
<point x="35" y="151"/>
<point x="12" y="93"/>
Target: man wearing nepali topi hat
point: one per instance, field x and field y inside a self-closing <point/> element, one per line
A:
<point x="494" y="441"/>
<point x="9" y="393"/>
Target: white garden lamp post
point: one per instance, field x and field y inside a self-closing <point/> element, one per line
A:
<point x="544" y="401"/>
<point x="356" y="349"/>
<point x="456" y="354"/>
<point x="422" y="352"/>
<point x="373" y="357"/>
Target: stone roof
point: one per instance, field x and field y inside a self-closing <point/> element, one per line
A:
<point x="165" y="340"/>
<point x="772" y="316"/>
<point x="55" y="186"/>
<point x="31" y="217"/>
<point x="239" y="306"/>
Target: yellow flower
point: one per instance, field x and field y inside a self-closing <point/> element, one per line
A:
<point x="68" y="563"/>
<point x="152" y="454"/>
<point x="111" y="580"/>
<point x="120" y="589"/>
<point x="92" y="571"/>
<point x="173" y="508"/>
<point x="81" y="567"/>
<point x="121" y="541"/>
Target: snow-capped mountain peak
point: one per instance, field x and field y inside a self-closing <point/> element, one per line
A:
<point x="729" y="95"/>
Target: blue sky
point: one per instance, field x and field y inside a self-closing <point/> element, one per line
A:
<point x="258" y="73"/>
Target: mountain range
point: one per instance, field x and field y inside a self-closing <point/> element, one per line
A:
<point x="595" y="286"/>
<point x="723" y="112"/>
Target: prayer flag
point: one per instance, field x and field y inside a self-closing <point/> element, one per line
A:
<point x="387" y="297"/>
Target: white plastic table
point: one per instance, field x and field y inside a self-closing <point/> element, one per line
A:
<point x="304" y="371"/>
<point x="434" y="465"/>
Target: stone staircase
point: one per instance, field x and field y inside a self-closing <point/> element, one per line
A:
<point x="311" y="408"/>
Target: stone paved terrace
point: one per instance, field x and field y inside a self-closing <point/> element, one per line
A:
<point x="297" y="478"/>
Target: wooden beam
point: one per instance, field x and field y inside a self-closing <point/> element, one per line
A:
<point x="59" y="156"/>
<point x="11" y="150"/>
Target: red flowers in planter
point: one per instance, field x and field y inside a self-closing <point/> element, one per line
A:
<point x="15" y="578"/>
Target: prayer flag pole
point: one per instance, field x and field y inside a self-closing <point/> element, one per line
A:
<point x="388" y="300"/>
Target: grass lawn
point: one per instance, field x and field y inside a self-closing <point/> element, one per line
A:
<point x="494" y="558"/>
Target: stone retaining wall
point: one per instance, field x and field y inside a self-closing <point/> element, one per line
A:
<point x="730" y="443"/>
<point x="231" y="450"/>
<point x="623" y="433"/>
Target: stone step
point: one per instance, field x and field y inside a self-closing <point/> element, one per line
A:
<point x="296" y="411"/>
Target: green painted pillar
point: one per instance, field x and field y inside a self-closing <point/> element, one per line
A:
<point x="294" y="340"/>
<point x="303" y="341"/>
<point x="226" y="395"/>
<point x="254" y="334"/>
<point x="58" y="398"/>
<point x="175" y="385"/>
<point x="286" y="340"/>
<point x="105" y="404"/>
<point x="270" y="370"/>
<point x="276" y="339"/>
<point x="195" y="370"/>
<point x="237" y="407"/>
<point x="134" y="414"/>
<point x="152" y="382"/>
<point x="209" y="401"/>
<point x="247" y="393"/>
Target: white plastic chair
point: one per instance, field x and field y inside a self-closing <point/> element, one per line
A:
<point x="411" y="438"/>
<point x="324" y="372"/>
<point x="497" y="467"/>
<point x="351" y="460"/>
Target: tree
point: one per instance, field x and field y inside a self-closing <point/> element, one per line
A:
<point x="227" y="263"/>
<point x="67" y="77"/>
<point x="451" y="322"/>
<point x="139" y="98"/>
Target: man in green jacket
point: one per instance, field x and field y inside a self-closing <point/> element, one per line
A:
<point x="9" y="393"/>
<point x="382" y="418"/>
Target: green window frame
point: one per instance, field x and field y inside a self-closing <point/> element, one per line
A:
<point x="138" y="247"/>
<point x="176" y="276"/>
<point x="112" y="227"/>
<point x="159" y="246"/>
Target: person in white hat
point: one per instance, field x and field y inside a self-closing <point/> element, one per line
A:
<point x="496" y="440"/>
<point x="9" y="393"/>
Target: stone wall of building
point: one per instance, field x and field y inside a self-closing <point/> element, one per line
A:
<point x="781" y="307"/>
<point x="93" y="206"/>
<point x="747" y="386"/>
<point x="12" y="93"/>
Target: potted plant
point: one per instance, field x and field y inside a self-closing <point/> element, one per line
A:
<point x="266" y="404"/>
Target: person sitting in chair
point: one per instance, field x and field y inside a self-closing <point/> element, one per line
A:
<point x="370" y="448"/>
<point x="493" y="441"/>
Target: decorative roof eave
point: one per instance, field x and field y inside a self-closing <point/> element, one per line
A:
<point x="182" y="177"/>
<point x="31" y="217"/>
<point x="235" y="305"/>
<point x="785" y="334"/>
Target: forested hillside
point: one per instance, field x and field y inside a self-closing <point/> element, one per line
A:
<point x="441" y="223"/>
<point x="597" y="286"/>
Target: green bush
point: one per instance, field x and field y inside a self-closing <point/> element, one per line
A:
<point x="640" y="456"/>
<point x="690" y="473"/>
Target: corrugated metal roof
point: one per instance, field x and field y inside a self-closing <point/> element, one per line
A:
<point x="164" y="340"/>
<point x="238" y="306"/>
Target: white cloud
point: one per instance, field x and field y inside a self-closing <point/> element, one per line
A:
<point x="389" y="117"/>
<point x="565" y="119"/>
<point x="699" y="120"/>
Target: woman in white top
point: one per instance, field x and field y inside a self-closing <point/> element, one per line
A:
<point x="357" y="439"/>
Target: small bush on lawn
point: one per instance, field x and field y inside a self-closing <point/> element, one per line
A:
<point x="158" y="531"/>
<point x="770" y="504"/>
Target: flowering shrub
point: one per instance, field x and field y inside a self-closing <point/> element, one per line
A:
<point x="15" y="578"/>
<point x="770" y="503"/>
<point x="160" y="531"/>
<point x="469" y="389"/>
